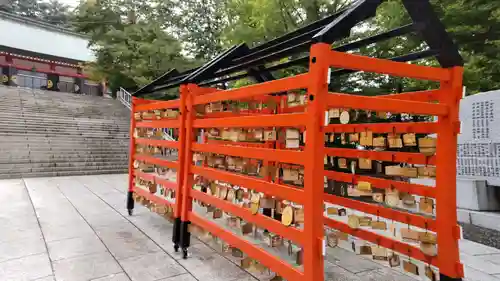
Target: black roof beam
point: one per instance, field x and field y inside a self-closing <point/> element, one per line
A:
<point x="434" y="32"/>
<point x="298" y="32"/>
<point x="404" y="58"/>
<point x="358" y="12"/>
<point x="147" y="88"/>
<point x="220" y="61"/>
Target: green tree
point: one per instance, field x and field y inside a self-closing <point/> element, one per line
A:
<point x="131" y="47"/>
<point x="473" y="24"/>
<point x="51" y="11"/>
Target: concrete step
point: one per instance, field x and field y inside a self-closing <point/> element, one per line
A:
<point x="64" y="158"/>
<point x="61" y="141"/>
<point x="29" y="169"/>
<point x="63" y="130"/>
<point x="30" y="117"/>
<point x="61" y="165"/>
<point x="61" y="173"/>
<point x="34" y="136"/>
<point x="6" y="132"/>
<point x="66" y="150"/>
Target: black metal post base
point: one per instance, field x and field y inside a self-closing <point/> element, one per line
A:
<point x="443" y="277"/>
<point x="176" y="235"/>
<point x="185" y="238"/>
<point x="130" y="202"/>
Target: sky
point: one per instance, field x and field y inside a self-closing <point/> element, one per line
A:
<point x="72" y="3"/>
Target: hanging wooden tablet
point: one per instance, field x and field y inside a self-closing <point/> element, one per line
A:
<point x="394" y="260"/>
<point x="269" y="135"/>
<point x="392" y="198"/>
<point x="366" y="138"/>
<point x="334" y="113"/>
<point x="354" y="137"/>
<point x="254" y="208"/>
<point x="394" y="141"/>
<point x="427" y="237"/>
<point x="267" y="203"/>
<point x="365" y="164"/>
<point x="409" y="139"/>
<point x="332" y="240"/>
<point x="379" y="253"/>
<point x="255" y="198"/>
<point x="427" y="145"/>
<point x="246" y="228"/>
<point x="342" y="212"/>
<point x="246" y="263"/>
<point x="237" y="253"/>
<point x="137" y="116"/>
<point x="381" y="225"/>
<point x="364" y="186"/>
<point x="427" y="171"/>
<point x="365" y="221"/>
<point x="429" y="273"/>
<point x="332" y="211"/>
<point x="231" y="195"/>
<point x="408" y="266"/>
<point x="343" y="236"/>
<point x="365" y="250"/>
<point x="426" y="205"/>
<point x="378" y="197"/>
<point x="239" y="194"/>
<point x="409" y="200"/>
<point x="290" y="174"/>
<point x="287" y="216"/>
<point x="379" y="142"/>
<point x="299" y="260"/>
<point x="428" y="249"/>
<point x="353" y="221"/>
<point x="409" y="235"/>
<point x="217" y="214"/>
<point x="223" y="192"/>
<point x="342" y="163"/>
<point x="298" y="215"/>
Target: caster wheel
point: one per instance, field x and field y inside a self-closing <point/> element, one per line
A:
<point x="184" y="253"/>
<point x="176" y="248"/>
<point x="130" y="212"/>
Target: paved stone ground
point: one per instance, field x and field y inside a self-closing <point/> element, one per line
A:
<point x="76" y="228"/>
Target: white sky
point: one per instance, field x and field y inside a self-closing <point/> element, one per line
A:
<point x="72" y="3"/>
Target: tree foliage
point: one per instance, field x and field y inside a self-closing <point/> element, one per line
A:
<point x="51" y="11"/>
<point x="135" y="41"/>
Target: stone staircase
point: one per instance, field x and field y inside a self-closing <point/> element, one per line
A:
<point x="45" y="133"/>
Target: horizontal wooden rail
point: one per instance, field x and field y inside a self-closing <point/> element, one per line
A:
<point x="383" y="241"/>
<point x="425" y="96"/>
<point x="259" y="220"/>
<point x="156" y="161"/>
<point x="336" y="100"/>
<point x="417" y="189"/>
<point x="265" y="120"/>
<point x="151" y="197"/>
<point x="389" y="156"/>
<point x="282" y="268"/>
<point x="227" y="114"/>
<point x="174" y="123"/>
<point x="269" y="154"/>
<point x="383" y="66"/>
<point x="238" y="143"/>
<point x="162" y="143"/>
<point x="269" y="188"/>
<point x="381" y="211"/>
<point x="156" y="179"/>
<point x="294" y="109"/>
<point x="158" y="105"/>
<point x="396" y="128"/>
<point x="144" y="176"/>
<point x="281" y="85"/>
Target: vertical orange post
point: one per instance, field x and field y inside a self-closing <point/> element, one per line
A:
<point x="446" y="194"/>
<point x="176" y="235"/>
<point x="131" y="151"/>
<point x="313" y="177"/>
<point x="180" y="154"/>
<point x="187" y="182"/>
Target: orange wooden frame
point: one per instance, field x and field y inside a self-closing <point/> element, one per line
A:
<point x="442" y="102"/>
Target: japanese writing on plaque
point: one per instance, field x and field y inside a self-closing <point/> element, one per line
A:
<point x="482" y="117"/>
